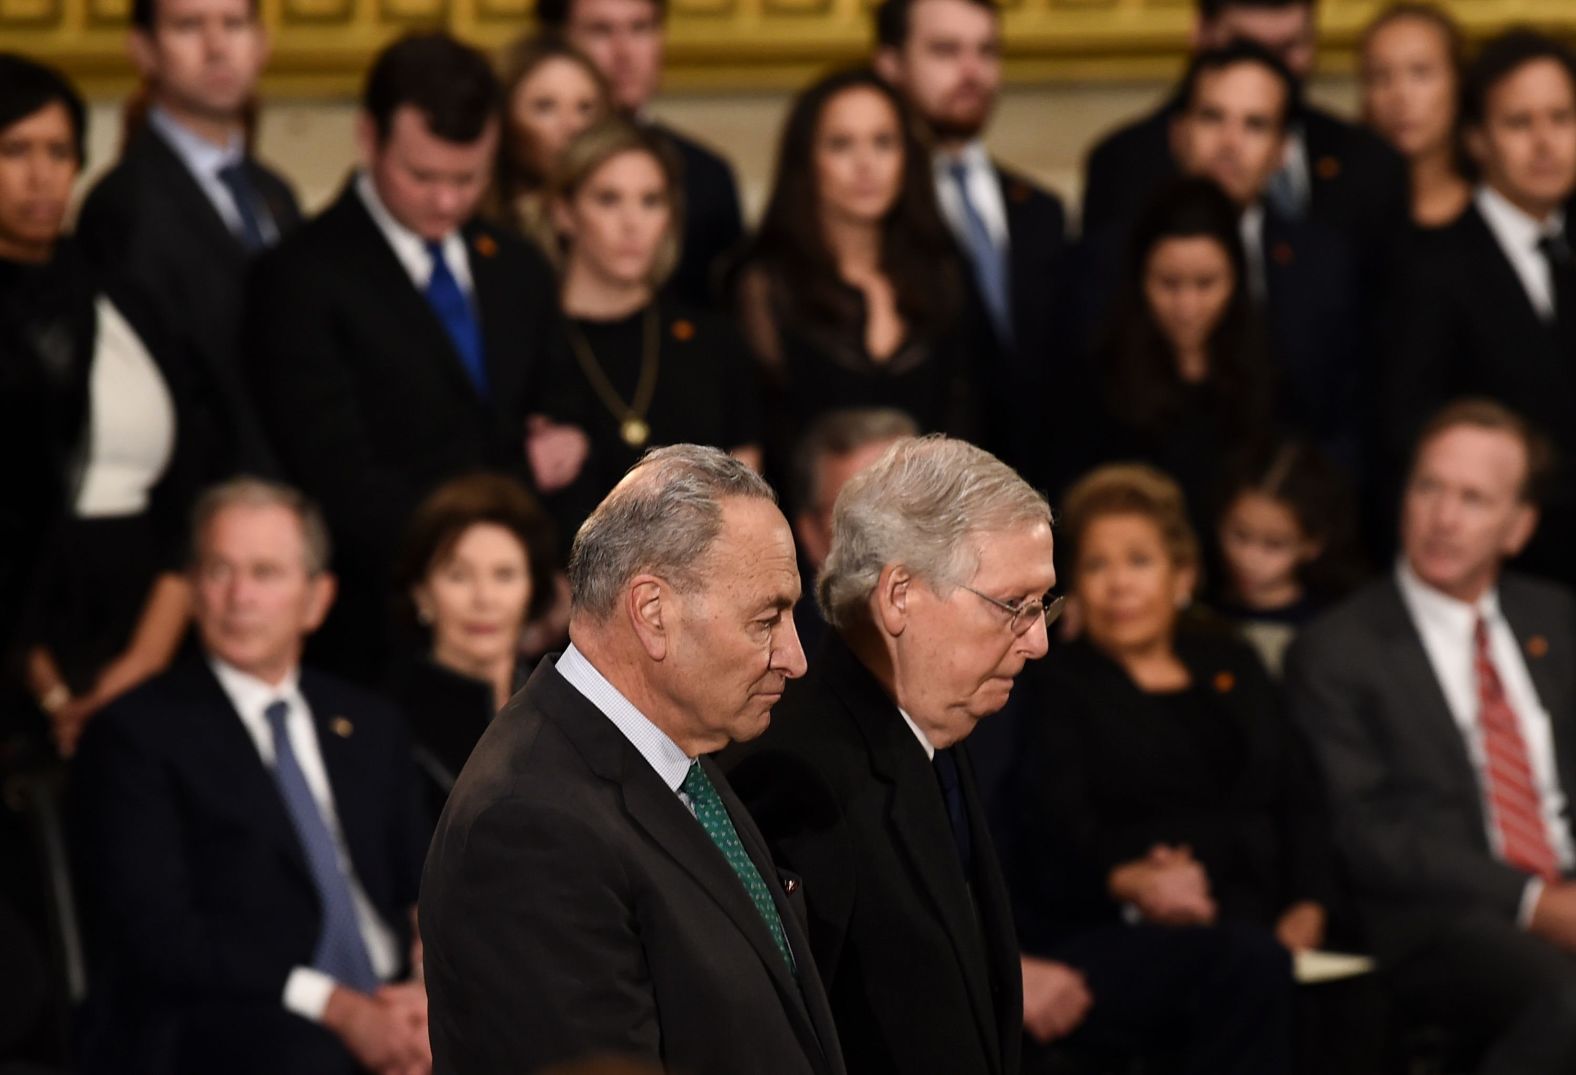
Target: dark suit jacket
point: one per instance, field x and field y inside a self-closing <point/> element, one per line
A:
<point x="1357" y="184"/>
<point x="713" y="221"/>
<point x="363" y="395"/>
<point x="195" y="891"/>
<point x="920" y="960"/>
<point x="152" y="232"/>
<point x="573" y="906"/>
<point x="1467" y="327"/>
<point x="1103" y="772"/>
<point x="1408" y="814"/>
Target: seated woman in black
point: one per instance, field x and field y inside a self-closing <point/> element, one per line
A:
<point x="477" y="564"/>
<point x="1167" y="763"/>
<point x="93" y="414"/>
<point x="851" y="294"/>
<point x="1184" y="375"/>
<point x="654" y="372"/>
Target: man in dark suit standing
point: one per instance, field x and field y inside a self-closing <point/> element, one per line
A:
<point x="1491" y="301"/>
<point x="175" y="221"/>
<point x="944" y="56"/>
<point x="934" y="587"/>
<point x="1334" y="172"/>
<point x="595" y="888"/>
<point x="247" y="833"/>
<point x="1441" y="703"/>
<point x="625" y="39"/>
<point x="393" y="342"/>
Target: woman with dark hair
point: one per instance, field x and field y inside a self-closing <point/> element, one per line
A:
<point x="551" y="92"/>
<point x="1186" y="378"/>
<point x="851" y="294"/>
<point x="652" y="370"/>
<point x="1413" y="71"/>
<point x="477" y="565"/>
<point x="94" y="423"/>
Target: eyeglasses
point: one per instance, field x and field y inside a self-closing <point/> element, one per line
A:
<point x="1024" y="613"/>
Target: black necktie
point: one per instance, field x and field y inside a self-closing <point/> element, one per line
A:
<point x="247" y="205"/>
<point x="952" y="791"/>
<point x="1562" y="273"/>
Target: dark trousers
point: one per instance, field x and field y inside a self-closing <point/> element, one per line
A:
<point x="1196" y="1001"/>
<point x="1505" y="997"/>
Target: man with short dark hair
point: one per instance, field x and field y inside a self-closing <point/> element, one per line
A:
<point x="1440" y="702"/>
<point x="1335" y="172"/>
<point x="176" y="220"/>
<point x="944" y="56"/>
<point x="395" y="342"/>
<point x="248" y="836"/>
<point x="625" y="39"/>
<point x="1491" y="303"/>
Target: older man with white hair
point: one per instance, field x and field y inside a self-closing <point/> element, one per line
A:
<point x="594" y="887"/>
<point x="936" y="587"/>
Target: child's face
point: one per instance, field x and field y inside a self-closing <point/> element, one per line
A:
<point x="1263" y="544"/>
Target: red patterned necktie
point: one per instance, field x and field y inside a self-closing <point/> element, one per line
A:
<point x="1511" y="790"/>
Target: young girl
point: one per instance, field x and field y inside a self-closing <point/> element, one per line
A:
<point x="1285" y="545"/>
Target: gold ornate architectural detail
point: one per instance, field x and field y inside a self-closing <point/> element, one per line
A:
<point x="322" y="46"/>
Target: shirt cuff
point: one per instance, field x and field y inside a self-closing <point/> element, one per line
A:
<point x="1529" y="902"/>
<point x="307" y="992"/>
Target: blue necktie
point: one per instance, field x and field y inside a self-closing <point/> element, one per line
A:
<point x="448" y="301"/>
<point x="341" y="952"/>
<point x="239" y="184"/>
<point x="990" y="269"/>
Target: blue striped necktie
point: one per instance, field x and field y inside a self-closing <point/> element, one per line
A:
<point x="990" y="268"/>
<point x="341" y="952"/>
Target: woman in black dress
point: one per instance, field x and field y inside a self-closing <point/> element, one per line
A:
<point x="653" y="371"/>
<point x="851" y="294"/>
<point x="1184" y="375"/>
<point x="93" y="421"/>
<point x="477" y="565"/>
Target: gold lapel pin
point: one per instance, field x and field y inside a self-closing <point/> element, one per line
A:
<point x="1327" y="167"/>
<point x="1224" y="682"/>
<point x="485" y="246"/>
<point x="341" y="727"/>
<point x="1537" y="646"/>
<point x="683" y="330"/>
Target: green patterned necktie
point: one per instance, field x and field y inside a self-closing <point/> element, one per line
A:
<point x="713" y="817"/>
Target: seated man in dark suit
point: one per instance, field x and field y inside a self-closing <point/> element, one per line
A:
<point x="247" y="836"/>
<point x="1491" y="301"/>
<point x="625" y="39"/>
<point x="595" y="888"/>
<point x="394" y="342"/>
<point x="944" y="56"/>
<point x="1441" y="702"/>
<point x="934" y="585"/>
<point x="175" y="221"/>
<point x="1335" y="172"/>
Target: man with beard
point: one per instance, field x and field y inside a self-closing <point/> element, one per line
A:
<point x="944" y="56"/>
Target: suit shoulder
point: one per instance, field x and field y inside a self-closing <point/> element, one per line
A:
<point x="1136" y="138"/>
<point x="349" y="697"/>
<point x="1544" y="595"/>
<point x="697" y="157"/>
<point x="1344" y="627"/>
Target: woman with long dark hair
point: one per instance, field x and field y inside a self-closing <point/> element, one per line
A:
<point x="851" y="294"/>
<point x="1185" y="375"/>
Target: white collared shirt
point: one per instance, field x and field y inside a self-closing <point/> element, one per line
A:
<point x="664" y="756"/>
<point x="924" y="741"/>
<point x="1518" y="235"/>
<point x="984" y="194"/>
<point x="1447" y="628"/>
<point x="1251" y="229"/>
<point x="307" y="989"/>
<point x="204" y="160"/>
<point x="1295" y="165"/>
<point x="410" y="248"/>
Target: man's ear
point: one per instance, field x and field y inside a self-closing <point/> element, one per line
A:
<point x="1522" y="528"/>
<point x="644" y="605"/>
<point x="1477" y="144"/>
<point x="891" y="599"/>
<point x="139" y="46"/>
<point x="366" y="137"/>
<point x="888" y="63"/>
<point x="322" y="590"/>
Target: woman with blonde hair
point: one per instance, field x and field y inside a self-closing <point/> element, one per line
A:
<point x="656" y="371"/>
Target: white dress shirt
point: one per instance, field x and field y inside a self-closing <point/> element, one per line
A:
<point x="204" y="160"/>
<point x="1251" y="229"/>
<point x="307" y="989"/>
<point x="1295" y="166"/>
<point x="665" y="756"/>
<point x="1447" y="627"/>
<point x="984" y="193"/>
<point x="1518" y="235"/>
<point x="410" y="248"/>
<point x="131" y="421"/>
<point x="924" y="741"/>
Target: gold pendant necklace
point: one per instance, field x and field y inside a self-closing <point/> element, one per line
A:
<point x="632" y="425"/>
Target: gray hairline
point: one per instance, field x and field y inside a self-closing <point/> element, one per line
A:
<point x="252" y="492"/>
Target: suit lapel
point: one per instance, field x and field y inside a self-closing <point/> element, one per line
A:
<point x="1547" y="649"/>
<point x="1500" y="285"/>
<point x="182" y="186"/>
<point x="492" y="294"/>
<point x="918" y="818"/>
<point x="337" y="746"/>
<point x="995" y="907"/>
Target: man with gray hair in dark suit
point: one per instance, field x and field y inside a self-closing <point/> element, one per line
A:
<point x="595" y="888"/>
<point x="1440" y="701"/>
